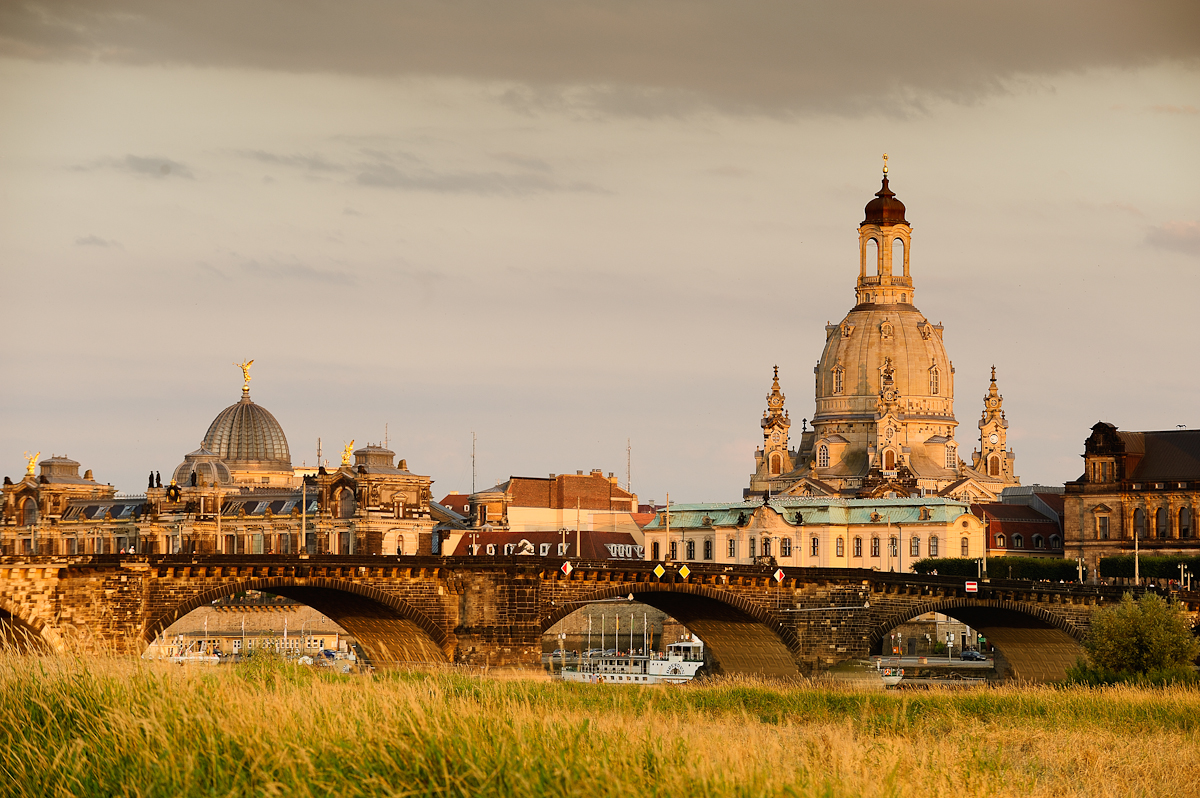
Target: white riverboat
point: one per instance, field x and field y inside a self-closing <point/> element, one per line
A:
<point x="680" y="663"/>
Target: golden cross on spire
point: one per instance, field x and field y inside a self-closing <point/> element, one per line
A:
<point x="885" y="163"/>
<point x="245" y="367"/>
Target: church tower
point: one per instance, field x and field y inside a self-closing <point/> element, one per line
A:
<point x="774" y="459"/>
<point x="994" y="460"/>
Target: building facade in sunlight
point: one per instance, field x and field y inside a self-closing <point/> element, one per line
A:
<point x="884" y="422"/>
<point x="238" y="493"/>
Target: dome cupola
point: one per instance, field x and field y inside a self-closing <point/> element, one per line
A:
<point x="248" y="436"/>
<point x="885" y="208"/>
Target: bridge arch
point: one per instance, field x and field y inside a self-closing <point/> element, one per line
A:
<point x="25" y="633"/>
<point x="389" y="630"/>
<point x="1033" y="643"/>
<point x="739" y="636"/>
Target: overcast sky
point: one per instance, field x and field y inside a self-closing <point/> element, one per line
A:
<point x="565" y="225"/>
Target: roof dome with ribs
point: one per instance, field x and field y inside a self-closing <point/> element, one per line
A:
<point x="247" y="436"/>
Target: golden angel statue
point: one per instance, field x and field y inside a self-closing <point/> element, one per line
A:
<point x="347" y="452"/>
<point x="32" y="462"/>
<point x="245" y="367"/>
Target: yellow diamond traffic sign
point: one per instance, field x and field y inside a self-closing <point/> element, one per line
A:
<point x="684" y="571"/>
<point x="659" y="571"/>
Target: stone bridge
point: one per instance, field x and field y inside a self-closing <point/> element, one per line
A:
<point x="494" y="611"/>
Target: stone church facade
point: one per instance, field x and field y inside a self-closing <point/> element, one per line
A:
<point x="884" y="422"/>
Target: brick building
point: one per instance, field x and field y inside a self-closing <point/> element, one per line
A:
<point x="1143" y="485"/>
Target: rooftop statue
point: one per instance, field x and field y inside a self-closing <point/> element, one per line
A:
<point x="347" y="452"/>
<point x="32" y="462"/>
<point x="245" y="367"/>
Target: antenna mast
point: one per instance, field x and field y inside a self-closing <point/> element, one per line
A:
<point x="472" y="462"/>
<point x="318" y="453"/>
<point x="628" y="462"/>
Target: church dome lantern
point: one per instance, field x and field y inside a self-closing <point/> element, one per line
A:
<point x="885" y="209"/>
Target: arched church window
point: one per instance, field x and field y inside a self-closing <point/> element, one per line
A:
<point x="993" y="466"/>
<point x="27" y="516"/>
<point x="839" y="378"/>
<point x="889" y="460"/>
<point x="708" y="549"/>
<point x="897" y="255"/>
<point x="1160" y="523"/>
<point x="776" y="464"/>
<point x="934" y="381"/>
<point x="823" y="456"/>
<point x="1185" y="523"/>
<point x="951" y="459"/>
<point x="874" y="258"/>
<point x="1139" y="522"/>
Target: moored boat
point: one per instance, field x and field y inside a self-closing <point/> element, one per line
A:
<point x="680" y="663"/>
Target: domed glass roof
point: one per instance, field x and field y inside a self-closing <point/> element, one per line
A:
<point x="248" y="435"/>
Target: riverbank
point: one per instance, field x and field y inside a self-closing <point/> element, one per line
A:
<point x="78" y="726"/>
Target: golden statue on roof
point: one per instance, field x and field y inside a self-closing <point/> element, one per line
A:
<point x="245" y="367"/>
<point x="32" y="462"/>
<point x="347" y="452"/>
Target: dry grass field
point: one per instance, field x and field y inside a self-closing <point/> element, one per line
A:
<point x="75" y="727"/>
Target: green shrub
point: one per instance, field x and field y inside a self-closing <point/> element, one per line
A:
<point x="1035" y="568"/>
<point x="1141" y="636"/>
<point x="1149" y="566"/>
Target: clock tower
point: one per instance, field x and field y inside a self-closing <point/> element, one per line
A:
<point x="994" y="460"/>
<point x="774" y="459"/>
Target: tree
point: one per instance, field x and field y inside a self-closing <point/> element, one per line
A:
<point x="1140" y="636"/>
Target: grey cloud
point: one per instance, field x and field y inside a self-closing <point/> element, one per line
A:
<point x="158" y="168"/>
<point x="313" y="163"/>
<point x="296" y="271"/>
<point x="637" y="57"/>
<point x="1176" y="236"/>
<point x="382" y="175"/>
<point x="95" y="241"/>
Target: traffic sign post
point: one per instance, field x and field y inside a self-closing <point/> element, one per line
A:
<point x="566" y="568"/>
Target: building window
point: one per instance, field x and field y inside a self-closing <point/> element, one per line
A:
<point x="951" y="459"/>
<point x="874" y="547"/>
<point x="785" y="547"/>
<point x="933" y="381"/>
<point x="993" y="466"/>
<point x="776" y="465"/>
<point x="750" y="545"/>
<point x="1055" y="542"/>
<point x="858" y="547"/>
<point x="893" y="546"/>
<point x="691" y="550"/>
<point x="766" y="547"/>
<point x="838" y="379"/>
<point x="1185" y="523"/>
<point x="674" y="547"/>
<point x="841" y="547"/>
<point x="933" y="546"/>
<point x="999" y="541"/>
<point x="732" y="549"/>
<point x="822" y="456"/>
<point x="1102" y="527"/>
<point x="1160" y="523"/>
<point x="1018" y="542"/>
<point x="654" y="550"/>
<point x="1039" y="542"/>
<point x="914" y="547"/>
<point x="966" y="548"/>
<point x="708" y="550"/>
<point x="815" y="545"/>
<point x="1139" y="522"/>
<point x="889" y="460"/>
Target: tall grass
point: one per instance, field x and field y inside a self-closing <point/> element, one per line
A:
<point x="73" y="726"/>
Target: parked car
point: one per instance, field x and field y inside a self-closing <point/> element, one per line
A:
<point x="973" y="656"/>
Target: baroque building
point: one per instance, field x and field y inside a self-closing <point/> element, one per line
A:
<point x="1138" y="490"/>
<point x="884" y="423"/>
<point x="236" y="494"/>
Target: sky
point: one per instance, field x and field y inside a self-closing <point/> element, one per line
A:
<point x="581" y="232"/>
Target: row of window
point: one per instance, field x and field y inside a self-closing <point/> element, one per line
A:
<point x="839" y="379"/>
<point x="890" y="459"/>
<point x="1018" y="542"/>
<point x="1162" y="522"/>
<point x="786" y="550"/>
